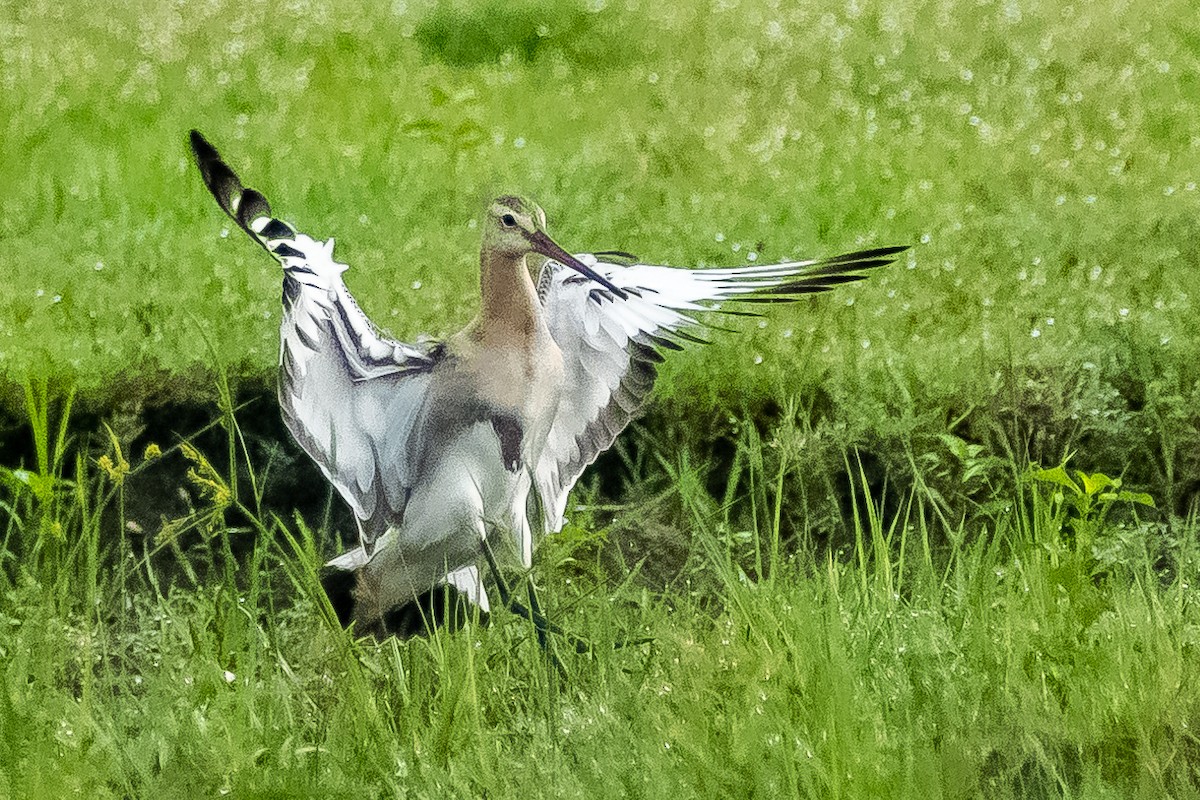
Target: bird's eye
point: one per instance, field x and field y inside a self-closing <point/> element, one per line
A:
<point x="509" y="221"/>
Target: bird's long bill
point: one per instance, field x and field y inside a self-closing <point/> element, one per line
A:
<point x="546" y="246"/>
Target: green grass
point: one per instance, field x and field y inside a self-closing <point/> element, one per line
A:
<point x="1050" y="654"/>
<point x="855" y="583"/>
<point x="1038" y="157"/>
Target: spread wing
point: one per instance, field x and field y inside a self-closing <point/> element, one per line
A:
<point x="611" y="347"/>
<point x="351" y="397"/>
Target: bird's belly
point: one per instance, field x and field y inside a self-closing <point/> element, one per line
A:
<point x="466" y="492"/>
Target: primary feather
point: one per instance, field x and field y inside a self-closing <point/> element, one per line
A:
<point x="350" y="396"/>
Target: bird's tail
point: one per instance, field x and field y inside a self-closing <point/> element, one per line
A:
<point x="449" y="604"/>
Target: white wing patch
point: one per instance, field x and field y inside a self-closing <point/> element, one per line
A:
<point x="309" y="264"/>
<point x="358" y="432"/>
<point x="350" y="396"/>
<point x="611" y="346"/>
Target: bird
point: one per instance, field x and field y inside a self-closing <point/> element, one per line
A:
<point x="446" y="449"/>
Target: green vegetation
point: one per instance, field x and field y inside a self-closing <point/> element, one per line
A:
<point x="856" y="582"/>
<point x="1017" y="660"/>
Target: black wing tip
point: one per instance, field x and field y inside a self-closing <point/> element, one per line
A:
<point x="826" y="274"/>
<point x="222" y="181"/>
<point x="842" y="268"/>
<point x="240" y="202"/>
<point x="889" y="250"/>
<point x="687" y="336"/>
<point x="846" y="267"/>
<point x="874" y="256"/>
<point x="787" y="292"/>
<point x="663" y="341"/>
<point x="207" y="159"/>
<point x="277" y="229"/>
<point x="201" y="146"/>
<point x="619" y="257"/>
<point x="251" y="206"/>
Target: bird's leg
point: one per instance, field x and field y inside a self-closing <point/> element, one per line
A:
<point x="535" y="609"/>
<point x="540" y="623"/>
<point x="581" y="646"/>
<point x="534" y="612"/>
<point x="501" y="584"/>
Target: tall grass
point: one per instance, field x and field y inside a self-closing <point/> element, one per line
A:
<point x="1010" y="659"/>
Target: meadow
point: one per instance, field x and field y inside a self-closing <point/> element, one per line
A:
<point x="931" y="535"/>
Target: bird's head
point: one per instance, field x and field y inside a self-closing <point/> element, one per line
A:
<point x="515" y="228"/>
<point x="511" y="225"/>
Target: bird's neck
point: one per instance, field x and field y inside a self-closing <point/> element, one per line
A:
<point x="510" y="311"/>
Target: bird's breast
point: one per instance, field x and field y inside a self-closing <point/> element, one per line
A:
<point x="515" y="388"/>
<point x="525" y="380"/>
